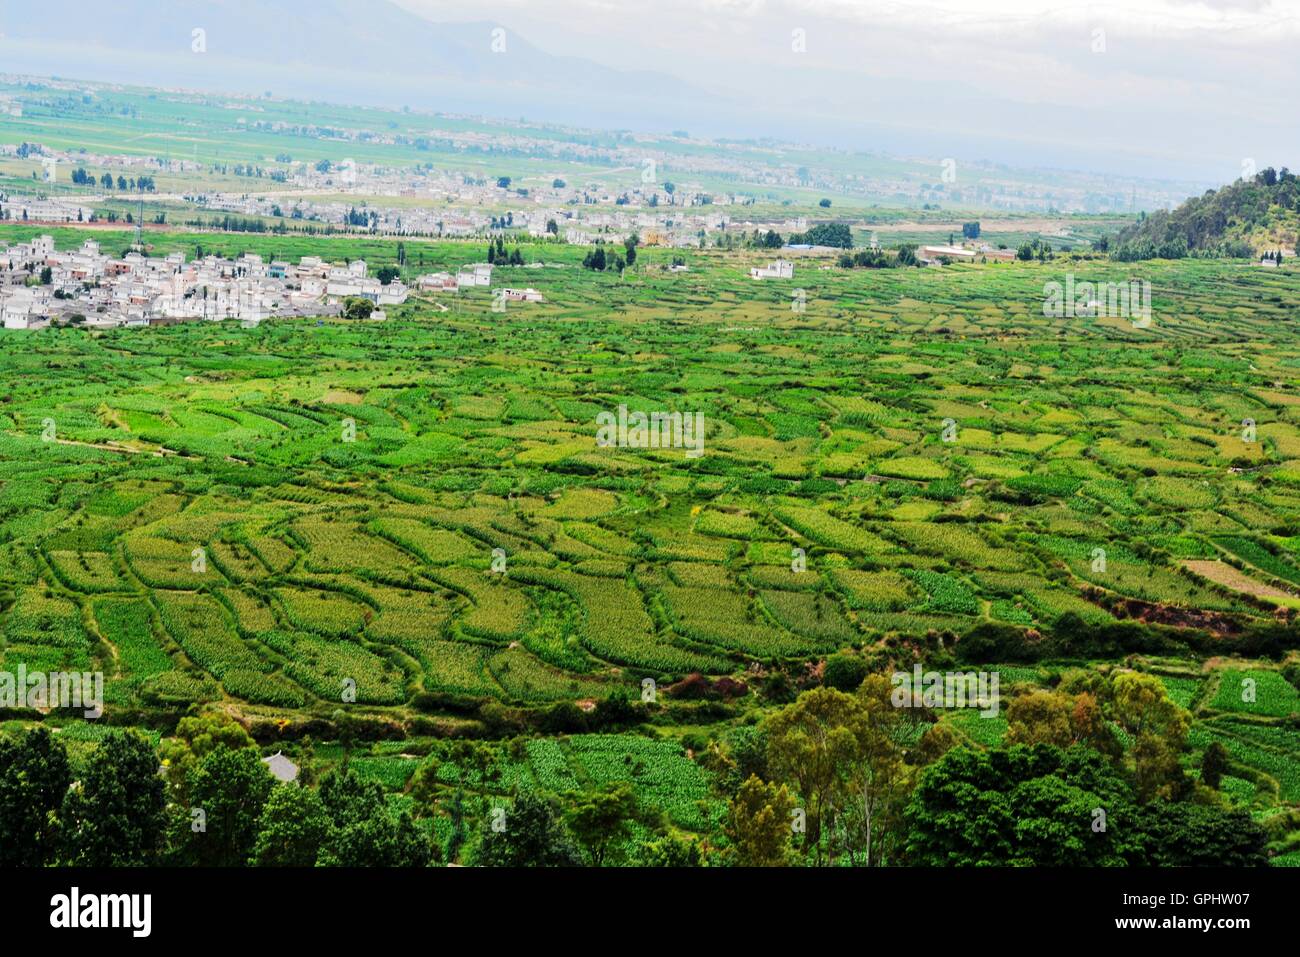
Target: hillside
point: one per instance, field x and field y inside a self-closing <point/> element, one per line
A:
<point x="1243" y="219"/>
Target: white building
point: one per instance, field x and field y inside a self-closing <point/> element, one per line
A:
<point x="935" y="253"/>
<point x="438" y="281"/>
<point x="780" y="269"/>
<point x="522" y="295"/>
<point x="281" y="768"/>
<point x="476" y="275"/>
<point x="394" y="294"/>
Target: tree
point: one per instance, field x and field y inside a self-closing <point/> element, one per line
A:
<point x="907" y="254"/>
<point x="936" y="741"/>
<point x="824" y="203"/>
<point x="366" y="833"/>
<point x="740" y="755"/>
<point x="531" y="834"/>
<point x="844" y="672"/>
<point x="600" y="819"/>
<point x="759" y="824"/>
<point x="231" y="788"/>
<point x="877" y="780"/>
<point x="378" y="841"/>
<point x="386" y="274"/>
<point x="1142" y="707"/>
<point x="812" y="744"/>
<point x="503" y="182"/>
<point x="1214" y="765"/>
<point x="114" y="817"/>
<point x="1038" y="805"/>
<point x="670" y="851"/>
<point x="424" y="785"/>
<point x="837" y="235"/>
<point x="357" y="308"/>
<point x="1047" y="717"/>
<point x="47" y="276"/>
<point x="1198" y="835"/>
<point x="34" y="778"/>
<point x="292" y="828"/>
<point x="195" y="738"/>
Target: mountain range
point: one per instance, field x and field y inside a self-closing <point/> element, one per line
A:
<point x="370" y="52"/>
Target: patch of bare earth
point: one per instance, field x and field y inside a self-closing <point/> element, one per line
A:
<point x="1221" y="573"/>
<point x="1154" y="613"/>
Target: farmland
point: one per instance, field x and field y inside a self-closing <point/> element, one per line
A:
<point x="408" y="532"/>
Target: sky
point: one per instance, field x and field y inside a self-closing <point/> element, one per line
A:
<point x="1147" y="87"/>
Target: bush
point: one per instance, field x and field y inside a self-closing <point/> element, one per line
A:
<point x="993" y="642"/>
<point x="844" y="672"/>
<point x="563" y="717"/>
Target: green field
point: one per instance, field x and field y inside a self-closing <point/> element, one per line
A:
<point x="946" y="460"/>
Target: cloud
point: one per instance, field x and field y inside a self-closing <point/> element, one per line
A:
<point x="1185" y="78"/>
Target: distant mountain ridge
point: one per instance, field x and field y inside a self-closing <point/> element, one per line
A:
<point x="271" y="42"/>
<point x="1244" y="218"/>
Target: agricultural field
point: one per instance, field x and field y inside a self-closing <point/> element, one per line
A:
<point x="411" y="527"/>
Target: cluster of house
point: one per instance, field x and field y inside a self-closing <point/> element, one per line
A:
<point x="926" y="255"/>
<point x="457" y="210"/>
<point x="41" y="210"/>
<point x="467" y="278"/>
<point x="470" y="277"/>
<point x="39" y="284"/>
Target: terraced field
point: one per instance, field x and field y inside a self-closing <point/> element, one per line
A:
<point x="1090" y="471"/>
<point x="919" y="464"/>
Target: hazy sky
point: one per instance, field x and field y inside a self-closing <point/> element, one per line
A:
<point x="1186" y="86"/>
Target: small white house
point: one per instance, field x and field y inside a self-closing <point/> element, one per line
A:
<point x="394" y="294"/>
<point x="781" y="269"/>
<point x="522" y="295"/>
<point x="282" y="769"/>
<point x="935" y="253"/>
<point x="479" y="274"/>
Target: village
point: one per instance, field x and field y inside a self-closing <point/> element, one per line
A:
<point x="40" y="285"/>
